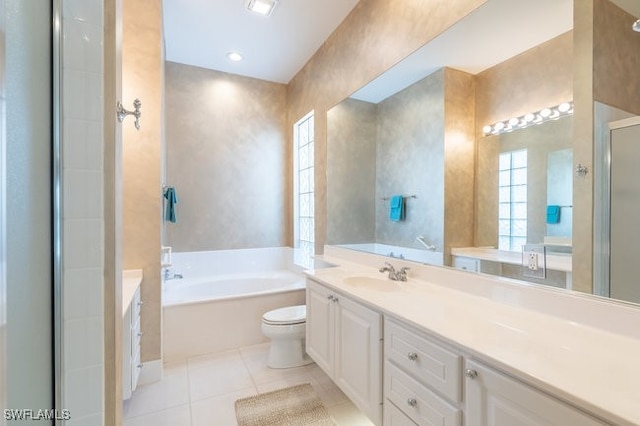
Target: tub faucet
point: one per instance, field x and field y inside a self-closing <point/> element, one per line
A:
<point x="394" y="275"/>
<point x="168" y="274"/>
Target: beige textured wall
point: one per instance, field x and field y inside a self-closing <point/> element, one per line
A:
<point x="142" y="152"/>
<point x="537" y="78"/>
<point x="375" y="35"/>
<point x="410" y="161"/>
<point x="351" y="172"/>
<point x="459" y="160"/>
<point x="583" y="136"/>
<point x="616" y="77"/>
<point x="226" y="157"/>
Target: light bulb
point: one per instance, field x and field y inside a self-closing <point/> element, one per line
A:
<point x="544" y="113"/>
<point x="486" y="129"/>
<point x="564" y="107"/>
<point x="234" y="56"/>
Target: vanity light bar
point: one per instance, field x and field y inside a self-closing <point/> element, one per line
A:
<point x="530" y="119"/>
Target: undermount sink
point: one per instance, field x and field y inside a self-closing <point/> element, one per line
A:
<point x="374" y="283"/>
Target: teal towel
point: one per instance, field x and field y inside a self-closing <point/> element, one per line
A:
<point x="396" y="210"/>
<point x="172" y="200"/>
<point x="553" y="214"/>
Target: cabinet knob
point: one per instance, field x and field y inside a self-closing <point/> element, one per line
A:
<point x="412" y="356"/>
<point x="140" y="365"/>
<point x="140" y="303"/>
<point x="412" y="402"/>
<point x="140" y="334"/>
<point x="470" y="373"/>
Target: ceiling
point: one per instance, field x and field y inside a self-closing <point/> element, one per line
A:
<point x="493" y="33"/>
<point x="275" y="48"/>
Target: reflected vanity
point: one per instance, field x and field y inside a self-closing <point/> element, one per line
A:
<point x="417" y="129"/>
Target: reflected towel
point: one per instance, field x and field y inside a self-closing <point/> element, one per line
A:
<point x="553" y="214"/>
<point x="396" y="209"/>
<point x="172" y="200"/>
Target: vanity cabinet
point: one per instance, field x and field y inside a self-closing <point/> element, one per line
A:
<point x="344" y="337"/>
<point x="496" y="399"/>
<point x="131" y="335"/>
<point x="422" y="378"/>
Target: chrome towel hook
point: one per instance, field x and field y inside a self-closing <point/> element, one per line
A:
<point x="122" y="112"/>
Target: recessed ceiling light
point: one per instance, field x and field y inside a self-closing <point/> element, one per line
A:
<point x="263" y="7"/>
<point x="234" y="56"/>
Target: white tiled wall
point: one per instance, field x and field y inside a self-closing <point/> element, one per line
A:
<point x="82" y="109"/>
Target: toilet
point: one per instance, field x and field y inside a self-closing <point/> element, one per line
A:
<point x="286" y="329"/>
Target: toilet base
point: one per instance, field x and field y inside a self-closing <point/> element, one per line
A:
<point x="287" y="354"/>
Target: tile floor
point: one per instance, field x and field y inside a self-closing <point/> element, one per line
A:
<point x="201" y="391"/>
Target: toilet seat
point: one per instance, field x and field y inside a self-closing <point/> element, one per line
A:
<point x="291" y="315"/>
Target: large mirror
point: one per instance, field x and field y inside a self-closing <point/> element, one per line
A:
<point x="417" y="132"/>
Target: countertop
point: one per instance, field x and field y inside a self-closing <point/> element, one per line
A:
<point x="131" y="280"/>
<point x="555" y="261"/>
<point x="594" y="369"/>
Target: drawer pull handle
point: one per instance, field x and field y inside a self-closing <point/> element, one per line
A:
<point x="412" y="402"/>
<point x="472" y="374"/>
<point x="330" y="298"/>
<point x="140" y="334"/>
<point x="140" y="365"/>
<point x="335" y="300"/>
<point x="412" y="356"/>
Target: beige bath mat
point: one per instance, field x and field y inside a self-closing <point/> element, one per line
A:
<point x="293" y="406"/>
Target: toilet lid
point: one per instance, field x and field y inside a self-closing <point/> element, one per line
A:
<point x="286" y="316"/>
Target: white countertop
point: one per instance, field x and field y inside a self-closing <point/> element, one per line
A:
<point x="131" y="280"/>
<point x="555" y="261"/>
<point x="594" y="369"/>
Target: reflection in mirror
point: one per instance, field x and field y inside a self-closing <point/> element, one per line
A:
<point x="524" y="196"/>
<point x="537" y="188"/>
<point x="412" y="131"/>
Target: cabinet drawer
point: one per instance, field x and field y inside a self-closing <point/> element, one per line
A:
<point x="417" y="401"/>
<point x="394" y="417"/>
<point x="136" y="335"/>
<point x="424" y="359"/>
<point x="136" y="304"/>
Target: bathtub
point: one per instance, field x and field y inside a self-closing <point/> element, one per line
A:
<point x="219" y="302"/>
<point x="416" y="255"/>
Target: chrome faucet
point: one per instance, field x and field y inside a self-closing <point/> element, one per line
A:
<point x="168" y="274"/>
<point x="394" y="275"/>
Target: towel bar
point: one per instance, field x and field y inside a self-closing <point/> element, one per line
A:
<point x="404" y="196"/>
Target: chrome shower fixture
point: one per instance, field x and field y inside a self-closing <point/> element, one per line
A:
<point x="636" y="26"/>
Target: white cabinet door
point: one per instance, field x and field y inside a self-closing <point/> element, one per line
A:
<point x="494" y="399"/>
<point x="358" y="362"/>
<point x="394" y="417"/>
<point x="320" y="326"/>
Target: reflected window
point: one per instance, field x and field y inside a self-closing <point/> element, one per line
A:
<point x="303" y="188"/>
<point x="512" y="200"/>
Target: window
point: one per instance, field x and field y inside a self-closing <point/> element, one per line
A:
<point x="303" y="187"/>
<point x="512" y="200"/>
